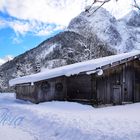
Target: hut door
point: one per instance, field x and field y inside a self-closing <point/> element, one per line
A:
<point x="117" y="94"/>
<point x="137" y="92"/>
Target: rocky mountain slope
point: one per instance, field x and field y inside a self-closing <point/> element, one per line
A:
<point x="110" y="31"/>
<point x="90" y="35"/>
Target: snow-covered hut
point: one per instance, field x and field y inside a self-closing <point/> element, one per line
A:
<point x="108" y="80"/>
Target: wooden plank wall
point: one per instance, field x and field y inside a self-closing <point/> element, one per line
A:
<point x="26" y="92"/>
<point x="128" y="89"/>
<point x="137" y="81"/>
<point x="57" y="89"/>
<point x="79" y="87"/>
<point x="123" y="76"/>
<point x="53" y="89"/>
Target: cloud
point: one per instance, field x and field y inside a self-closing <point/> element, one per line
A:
<point x="53" y="11"/>
<point x="43" y="17"/>
<point x="49" y="30"/>
<point x="16" y="39"/>
<point x="19" y="27"/>
<point x="2" y="24"/>
<point x="5" y="59"/>
<point x="119" y="8"/>
<point x="48" y="11"/>
<point x="22" y="27"/>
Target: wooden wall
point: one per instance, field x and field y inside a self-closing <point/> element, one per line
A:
<point x="26" y="92"/>
<point x="117" y="85"/>
<point x="79" y="87"/>
<point x="137" y="81"/>
<point x="53" y="89"/>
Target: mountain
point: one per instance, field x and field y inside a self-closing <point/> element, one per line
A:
<point x="132" y="22"/>
<point x="89" y="35"/>
<point x="132" y="19"/>
<point x="5" y="59"/>
<point x="102" y="24"/>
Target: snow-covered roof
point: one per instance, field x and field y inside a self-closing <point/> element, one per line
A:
<point x="86" y="66"/>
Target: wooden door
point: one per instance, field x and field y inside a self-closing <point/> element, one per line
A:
<point x="137" y="93"/>
<point x="117" y="94"/>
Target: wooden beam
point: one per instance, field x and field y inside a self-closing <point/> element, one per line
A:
<point x="93" y="89"/>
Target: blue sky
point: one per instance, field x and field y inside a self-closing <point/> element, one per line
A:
<point x="10" y="44"/>
<point x="26" y="23"/>
<point x="14" y="43"/>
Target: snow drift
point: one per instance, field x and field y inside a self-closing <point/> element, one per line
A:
<point x="67" y="121"/>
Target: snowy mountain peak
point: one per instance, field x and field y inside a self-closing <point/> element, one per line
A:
<point x="133" y="18"/>
<point x="102" y="24"/>
<point x="92" y="19"/>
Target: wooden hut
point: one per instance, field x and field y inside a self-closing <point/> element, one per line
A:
<point x="109" y="80"/>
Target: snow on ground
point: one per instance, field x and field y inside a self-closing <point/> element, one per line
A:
<point x="67" y="121"/>
<point x="7" y="133"/>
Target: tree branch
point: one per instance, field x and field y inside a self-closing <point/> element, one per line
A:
<point x="98" y="7"/>
<point x="97" y="1"/>
<point x="136" y="5"/>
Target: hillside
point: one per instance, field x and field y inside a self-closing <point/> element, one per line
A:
<point x="90" y="35"/>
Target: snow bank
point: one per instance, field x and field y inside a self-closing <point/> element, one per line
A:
<point x="72" y="69"/>
<point x="67" y="121"/>
<point x="7" y="133"/>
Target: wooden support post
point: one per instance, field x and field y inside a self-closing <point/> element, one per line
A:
<point x="66" y="89"/>
<point x="133" y="79"/>
<point x="94" y="89"/>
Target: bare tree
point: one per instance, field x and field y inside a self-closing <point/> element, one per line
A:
<point x="97" y="1"/>
<point x="106" y="1"/>
<point x="136" y="5"/>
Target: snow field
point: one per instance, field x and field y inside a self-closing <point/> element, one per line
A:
<point x="69" y="121"/>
